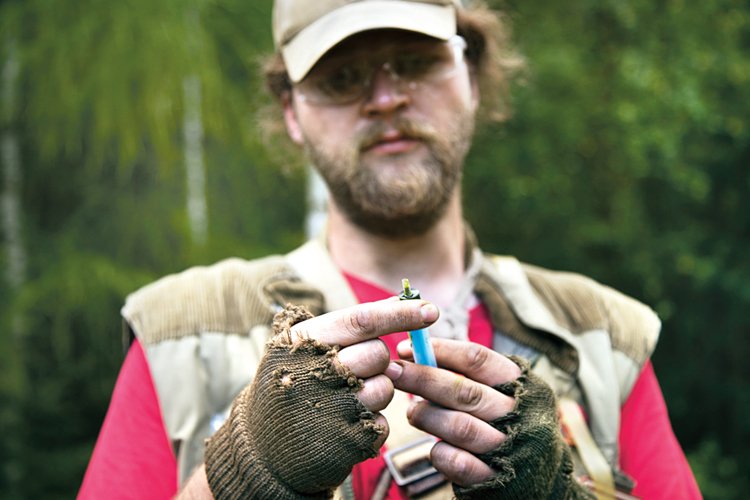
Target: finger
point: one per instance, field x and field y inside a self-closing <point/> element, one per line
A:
<point x="365" y="359"/>
<point x="367" y="321"/>
<point x="383" y="424"/>
<point x="451" y="390"/>
<point x="457" y="428"/>
<point x="471" y="359"/>
<point x="459" y="466"/>
<point x="376" y="393"/>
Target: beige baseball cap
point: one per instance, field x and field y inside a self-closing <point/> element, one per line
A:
<point x="304" y="30"/>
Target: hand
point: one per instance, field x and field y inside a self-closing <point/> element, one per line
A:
<point x="356" y="330"/>
<point x="308" y="418"/>
<point x="460" y="401"/>
<point x="497" y="421"/>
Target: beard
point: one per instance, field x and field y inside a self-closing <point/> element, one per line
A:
<point x="405" y="197"/>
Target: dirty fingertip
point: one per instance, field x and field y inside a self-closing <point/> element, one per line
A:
<point x="429" y="312"/>
<point x="394" y="370"/>
<point x="404" y="348"/>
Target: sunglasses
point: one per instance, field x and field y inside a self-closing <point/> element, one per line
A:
<point x="344" y="79"/>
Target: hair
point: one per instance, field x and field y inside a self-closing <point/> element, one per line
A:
<point x="491" y="56"/>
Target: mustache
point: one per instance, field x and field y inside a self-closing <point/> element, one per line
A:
<point x="406" y="127"/>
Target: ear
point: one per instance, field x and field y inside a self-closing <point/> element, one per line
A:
<point x="290" y="119"/>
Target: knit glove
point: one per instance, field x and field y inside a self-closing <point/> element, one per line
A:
<point x="534" y="462"/>
<point x="298" y="429"/>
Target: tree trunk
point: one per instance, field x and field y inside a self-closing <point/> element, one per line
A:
<point x="11" y="385"/>
<point x="194" y="166"/>
<point x="15" y="254"/>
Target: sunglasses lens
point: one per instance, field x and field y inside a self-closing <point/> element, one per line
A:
<point x="344" y="80"/>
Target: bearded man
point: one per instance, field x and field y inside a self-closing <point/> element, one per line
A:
<point x="290" y="376"/>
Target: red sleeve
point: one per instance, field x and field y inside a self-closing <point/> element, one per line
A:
<point x="649" y="451"/>
<point x="132" y="458"/>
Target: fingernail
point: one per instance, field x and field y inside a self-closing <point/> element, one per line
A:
<point x="394" y="370"/>
<point x="429" y="313"/>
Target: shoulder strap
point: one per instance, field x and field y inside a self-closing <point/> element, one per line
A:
<point x="594" y="462"/>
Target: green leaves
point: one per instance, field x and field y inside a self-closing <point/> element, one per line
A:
<point x="103" y="82"/>
<point x="627" y="160"/>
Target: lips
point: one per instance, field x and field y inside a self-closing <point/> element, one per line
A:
<point x="389" y="142"/>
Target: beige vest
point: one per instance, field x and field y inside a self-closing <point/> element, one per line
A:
<point x="204" y="332"/>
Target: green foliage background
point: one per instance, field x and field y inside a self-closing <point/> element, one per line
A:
<point x="626" y="160"/>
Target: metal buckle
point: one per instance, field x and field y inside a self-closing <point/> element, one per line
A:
<point x="411" y="462"/>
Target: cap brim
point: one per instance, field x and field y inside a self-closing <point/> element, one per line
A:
<point x="304" y="50"/>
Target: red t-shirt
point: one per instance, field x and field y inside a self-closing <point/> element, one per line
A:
<point x="133" y="458"/>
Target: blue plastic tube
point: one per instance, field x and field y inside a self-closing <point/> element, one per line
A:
<point x="420" y="339"/>
<point x="420" y="343"/>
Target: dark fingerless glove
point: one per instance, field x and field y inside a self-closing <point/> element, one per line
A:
<point x="297" y="430"/>
<point x="534" y="462"/>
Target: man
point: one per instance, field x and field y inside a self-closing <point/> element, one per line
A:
<point x="383" y="96"/>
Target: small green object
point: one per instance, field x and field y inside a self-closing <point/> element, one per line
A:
<point x="408" y="293"/>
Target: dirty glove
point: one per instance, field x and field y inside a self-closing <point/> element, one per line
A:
<point x="298" y="429"/>
<point x="533" y="462"/>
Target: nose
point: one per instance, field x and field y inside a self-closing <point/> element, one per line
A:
<point x="387" y="95"/>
